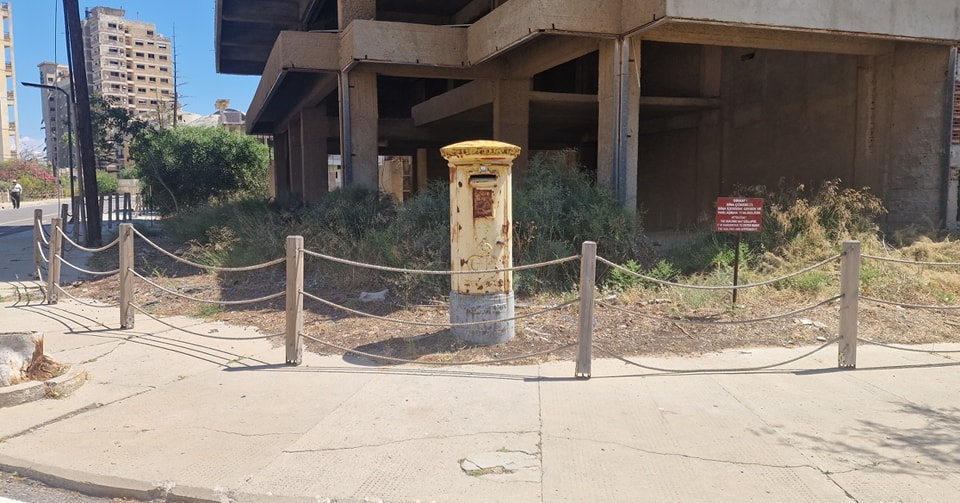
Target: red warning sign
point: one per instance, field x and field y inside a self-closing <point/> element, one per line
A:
<point x="739" y="214"/>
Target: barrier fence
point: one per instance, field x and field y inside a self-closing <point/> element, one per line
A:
<point x="294" y="294"/>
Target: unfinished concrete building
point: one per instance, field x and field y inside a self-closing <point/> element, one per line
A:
<point x="671" y="103"/>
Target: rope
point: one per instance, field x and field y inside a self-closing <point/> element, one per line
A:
<point x="731" y="322"/>
<point x="79" y="301"/>
<point x="703" y="287"/>
<point x="439" y="364"/>
<point x="42" y="255"/>
<point x="209" y="267"/>
<point x="909" y="306"/>
<point x="208" y="301"/>
<point x="438" y="273"/>
<point x="899" y="348"/>
<point x="911" y="262"/>
<point x="95" y="273"/>
<point x="198" y="334"/>
<point x="43" y="236"/>
<point x="428" y="324"/>
<point x="700" y="371"/>
<point x="91" y="250"/>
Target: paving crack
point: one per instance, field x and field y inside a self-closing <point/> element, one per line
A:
<point x="407" y="441"/>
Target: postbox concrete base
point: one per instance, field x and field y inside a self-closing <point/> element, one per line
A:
<point x="497" y="308"/>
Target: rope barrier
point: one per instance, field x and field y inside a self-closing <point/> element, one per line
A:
<point x="91" y="250"/>
<point x="438" y="273"/>
<point x="428" y="324"/>
<point x="731" y="322"/>
<point x="911" y="262"/>
<point x="439" y="364"/>
<point x="899" y="348"/>
<point x="95" y="273"/>
<point x="715" y="370"/>
<point x="43" y="236"/>
<point x="198" y="334"/>
<point x="82" y="302"/>
<point x="704" y="287"/>
<point x="209" y="267"/>
<point x="908" y="306"/>
<point x="208" y="301"/>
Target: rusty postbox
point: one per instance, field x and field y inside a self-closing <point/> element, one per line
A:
<point x="481" y="231"/>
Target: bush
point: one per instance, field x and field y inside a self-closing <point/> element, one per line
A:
<point x="106" y="183"/>
<point x="187" y="167"/>
<point x="128" y="174"/>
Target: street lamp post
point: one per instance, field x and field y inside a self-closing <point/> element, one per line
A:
<point x="48" y="87"/>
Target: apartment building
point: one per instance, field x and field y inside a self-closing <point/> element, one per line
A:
<point x="55" y="113"/>
<point x="9" y="134"/>
<point x="129" y="63"/>
<point x="669" y="103"/>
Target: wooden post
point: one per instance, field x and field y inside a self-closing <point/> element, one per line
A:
<point x="294" y="324"/>
<point x="127" y="207"/>
<point x="53" y="272"/>
<point x="588" y="282"/>
<point x="849" y="303"/>
<point x="126" y="277"/>
<point x="37" y="240"/>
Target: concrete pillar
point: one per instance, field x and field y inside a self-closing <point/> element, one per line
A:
<point x="281" y="172"/>
<point x="348" y="10"/>
<point x="619" y="119"/>
<point x="295" y="141"/>
<point x="313" y="127"/>
<point x="511" y="118"/>
<point x="359" y="129"/>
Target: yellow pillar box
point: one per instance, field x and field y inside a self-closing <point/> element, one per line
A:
<point x="481" y="239"/>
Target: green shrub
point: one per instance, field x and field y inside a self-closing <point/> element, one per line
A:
<point x="106" y="183"/>
<point x="128" y="174"/>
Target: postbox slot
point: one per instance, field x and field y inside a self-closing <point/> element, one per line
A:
<point x="486" y="181"/>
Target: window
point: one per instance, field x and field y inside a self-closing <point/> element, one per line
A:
<point x="113" y="38"/>
<point x="149" y="33"/>
<point x="153" y="79"/>
<point x="141" y="89"/>
<point x="138" y="43"/>
<point x="163" y="68"/>
<point x="114" y="74"/>
<point x="141" y="77"/>
<point x="139" y="54"/>
<point x="140" y="67"/>
<point x="163" y="57"/>
<point x="111" y="25"/>
<point x="162" y="46"/>
<point x="153" y="102"/>
<point x="151" y="56"/>
<point x="164" y="81"/>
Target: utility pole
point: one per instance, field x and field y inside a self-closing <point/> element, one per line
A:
<point x="81" y="95"/>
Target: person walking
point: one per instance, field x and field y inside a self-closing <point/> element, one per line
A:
<point x="15" y="194"/>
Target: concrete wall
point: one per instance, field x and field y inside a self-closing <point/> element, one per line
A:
<point x="787" y="115"/>
<point x="919" y="125"/>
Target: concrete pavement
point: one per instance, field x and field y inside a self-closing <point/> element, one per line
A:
<point x="199" y="411"/>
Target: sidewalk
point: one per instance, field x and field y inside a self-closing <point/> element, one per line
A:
<point x="209" y="412"/>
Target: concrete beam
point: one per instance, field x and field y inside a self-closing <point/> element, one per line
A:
<point x="548" y="52"/>
<point x="920" y="19"/>
<point x="756" y="38"/>
<point x="520" y="20"/>
<point x="293" y="51"/>
<point x="453" y="102"/>
<point x="401" y="43"/>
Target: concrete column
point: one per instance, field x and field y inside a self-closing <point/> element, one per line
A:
<point x="296" y="157"/>
<point x="359" y="130"/>
<point x="348" y="10"/>
<point x="511" y="118"/>
<point x="313" y="127"/>
<point x="281" y="166"/>
<point x="619" y="119"/>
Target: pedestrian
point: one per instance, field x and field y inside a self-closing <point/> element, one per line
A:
<point x="15" y="194"/>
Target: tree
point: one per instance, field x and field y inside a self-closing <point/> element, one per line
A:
<point x="186" y="167"/>
<point x="113" y="126"/>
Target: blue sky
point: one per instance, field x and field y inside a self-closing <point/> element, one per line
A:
<point x="38" y="36"/>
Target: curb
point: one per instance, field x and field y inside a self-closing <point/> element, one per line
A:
<point x="57" y="387"/>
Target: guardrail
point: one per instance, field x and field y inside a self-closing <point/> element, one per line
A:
<point x="294" y="294"/>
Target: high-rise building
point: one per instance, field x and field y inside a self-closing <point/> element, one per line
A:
<point x="9" y="137"/>
<point x="55" y="116"/>
<point x="129" y="63"/>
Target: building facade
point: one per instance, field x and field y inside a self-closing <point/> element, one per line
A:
<point x="57" y="131"/>
<point x="129" y="63"/>
<point x="9" y="132"/>
<point x="669" y="103"/>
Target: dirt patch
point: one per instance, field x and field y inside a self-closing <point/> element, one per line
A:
<point x="638" y="323"/>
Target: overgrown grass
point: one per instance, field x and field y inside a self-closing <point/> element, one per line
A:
<point x="555" y="210"/>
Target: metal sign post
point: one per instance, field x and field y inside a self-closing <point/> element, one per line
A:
<point x="739" y="215"/>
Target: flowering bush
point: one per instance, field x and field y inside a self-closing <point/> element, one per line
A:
<point x="36" y="182"/>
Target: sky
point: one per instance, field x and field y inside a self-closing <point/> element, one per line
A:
<point x="38" y="36"/>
